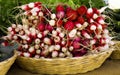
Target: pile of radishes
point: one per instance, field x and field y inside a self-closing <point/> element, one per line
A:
<point x="65" y="32"/>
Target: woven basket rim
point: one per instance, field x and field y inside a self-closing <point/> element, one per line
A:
<point x="14" y="55"/>
<point x="88" y="55"/>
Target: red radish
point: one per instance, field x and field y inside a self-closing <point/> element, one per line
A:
<point x="102" y="41"/>
<point x="29" y="40"/>
<point x="37" y="41"/>
<point x="31" y="5"/>
<point x="78" y="25"/>
<point x="60" y="14"/>
<point x="32" y="50"/>
<point x="100" y="20"/>
<point x="39" y="35"/>
<point x="25" y="7"/>
<point x="72" y="33"/>
<point x="52" y="22"/>
<point x="37" y="4"/>
<point x="63" y="43"/>
<point x="82" y="10"/>
<point x="90" y="20"/>
<point x="62" y="35"/>
<point x="96" y="11"/>
<point x="57" y="39"/>
<point x="89" y="13"/>
<point x="54" y="33"/>
<point x="57" y="47"/>
<point x="47" y="41"/>
<point x="59" y="22"/>
<point x="95" y="16"/>
<point x="80" y="20"/>
<point x="37" y="46"/>
<point x="49" y="27"/>
<point x="76" y="45"/>
<point x="40" y="14"/>
<point x="5" y="43"/>
<point x="78" y="39"/>
<point x="85" y="42"/>
<point x="104" y="26"/>
<point x="93" y="41"/>
<point x="41" y="27"/>
<point x="79" y="52"/>
<point x="51" y="48"/>
<point x="62" y="55"/>
<point x="59" y="8"/>
<point x="71" y="15"/>
<point x="37" y="56"/>
<point x="71" y="48"/>
<point x="26" y="54"/>
<point x="53" y="16"/>
<point x="92" y="27"/>
<point x="85" y="34"/>
<point x="33" y="35"/>
<point x="68" y="9"/>
<point x="69" y="25"/>
<point x="54" y="54"/>
<point x="64" y="49"/>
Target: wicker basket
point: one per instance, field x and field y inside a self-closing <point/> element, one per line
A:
<point x="63" y="65"/>
<point x="6" y="64"/>
<point x="116" y="52"/>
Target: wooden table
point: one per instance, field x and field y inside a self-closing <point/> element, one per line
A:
<point x="110" y="67"/>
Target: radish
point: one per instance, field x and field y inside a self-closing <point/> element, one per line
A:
<point x="80" y="20"/>
<point x="62" y="55"/>
<point x="5" y="43"/>
<point x="82" y="10"/>
<point x="41" y="27"/>
<point x="53" y="16"/>
<point x="72" y="33"/>
<point x="62" y="35"/>
<point x="40" y="13"/>
<point x="57" y="39"/>
<point x="100" y="20"/>
<point x="52" y="22"/>
<point x="59" y="8"/>
<point x="47" y="41"/>
<point x="54" y="54"/>
<point x="49" y="27"/>
<point x="89" y="13"/>
<point x="26" y="54"/>
<point x="37" y="56"/>
<point x="71" y="15"/>
<point x="57" y="47"/>
<point x="76" y="45"/>
<point x="31" y="50"/>
<point x="39" y="35"/>
<point x="25" y="7"/>
<point x="60" y="14"/>
<point x="85" y="34"/>
<point x="51" y="48"/>
<point x="69" y="25"/>
<point x="59" y="22"/>
<point x="31" y="5"/>
<point x="64" y="49"/>
<point x="71" y="48"/>
<point x="38" y="51"/>
<point x="37" y="46"/>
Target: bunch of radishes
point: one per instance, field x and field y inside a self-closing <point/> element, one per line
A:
<point x="64" y="33"/>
